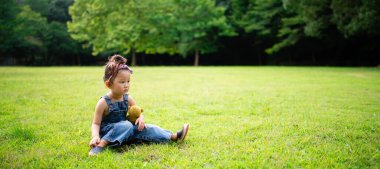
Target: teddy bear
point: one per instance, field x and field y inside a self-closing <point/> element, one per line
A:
<point x="133" y="113"/>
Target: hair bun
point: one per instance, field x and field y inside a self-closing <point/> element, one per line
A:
<point x="118" y="59"/>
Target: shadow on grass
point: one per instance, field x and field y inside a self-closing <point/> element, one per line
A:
<point x="132" y="146"/>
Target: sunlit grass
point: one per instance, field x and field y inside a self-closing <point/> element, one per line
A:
<point x="251" y="117"/>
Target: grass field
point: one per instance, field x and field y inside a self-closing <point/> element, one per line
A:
<point x="240" y="117"/>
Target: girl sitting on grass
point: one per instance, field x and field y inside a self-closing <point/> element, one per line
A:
<point x="110" y="126"/>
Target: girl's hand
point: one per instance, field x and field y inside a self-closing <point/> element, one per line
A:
<point x="94" y="141"/>
<point x="140" y="122"/>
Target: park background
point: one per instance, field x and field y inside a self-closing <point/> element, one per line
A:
<point x="177" y="32"/>
<point x="281" y="83"/>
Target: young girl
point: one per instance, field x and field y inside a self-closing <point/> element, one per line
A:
<point x="110" y="126"/>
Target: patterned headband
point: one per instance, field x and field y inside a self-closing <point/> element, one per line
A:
<point x="123" y="66"/>
<point x="120" y="67"/>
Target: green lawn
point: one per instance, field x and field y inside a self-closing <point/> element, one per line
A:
<point x="266" y="117"/>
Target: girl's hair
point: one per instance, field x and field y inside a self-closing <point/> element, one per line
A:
<point x="113" y="66"/>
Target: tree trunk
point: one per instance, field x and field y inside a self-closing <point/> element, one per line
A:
<point x="133" y="57"/>
<point x="142" y="61"/>
<point x="78" y="60"/>
<point x="13" y="60"/>
<point x="260" y="59"/>
<point x="196" y="61"/>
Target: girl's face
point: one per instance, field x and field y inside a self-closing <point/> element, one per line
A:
<point x="120" y="84"/>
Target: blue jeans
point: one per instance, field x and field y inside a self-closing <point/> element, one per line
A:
<point x="124" y="131"/>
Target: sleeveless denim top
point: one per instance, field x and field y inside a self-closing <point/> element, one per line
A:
<point x="117" y="110"/>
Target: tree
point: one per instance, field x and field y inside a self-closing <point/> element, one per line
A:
<point x="58" y="10"/>
<point x="61" y="48"/>
<point x="258" y="20"/>
<point x="303" y="19"/>
<point x="8" y="36"/>
<point x="356" y="17"/>
<point x="31" y="30"/>
<point x="313" y="18"/>
<point x="112" y="25"/>
<point x="150" y="26"/>
<point x="30" y="37"/>
<point x="199" y="25"/>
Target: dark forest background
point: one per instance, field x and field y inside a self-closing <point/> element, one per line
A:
<point x="204" y="32"/>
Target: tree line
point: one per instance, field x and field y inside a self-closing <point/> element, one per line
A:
<point x="208" y="32"/>
<point x="34" y="32"/>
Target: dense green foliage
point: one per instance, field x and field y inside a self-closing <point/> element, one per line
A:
<point x="151" y="26"/>
<point x="293" y="20"/>
<point x="240" y="117"/>
<point x="8" y="36"/>
<point x="319" y="32"/>
<point x="34" y="33"/>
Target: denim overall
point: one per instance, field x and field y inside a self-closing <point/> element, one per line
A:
<point x="117" y="130"/>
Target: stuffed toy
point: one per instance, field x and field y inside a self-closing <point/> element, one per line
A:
<point x="133" y="113"/>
